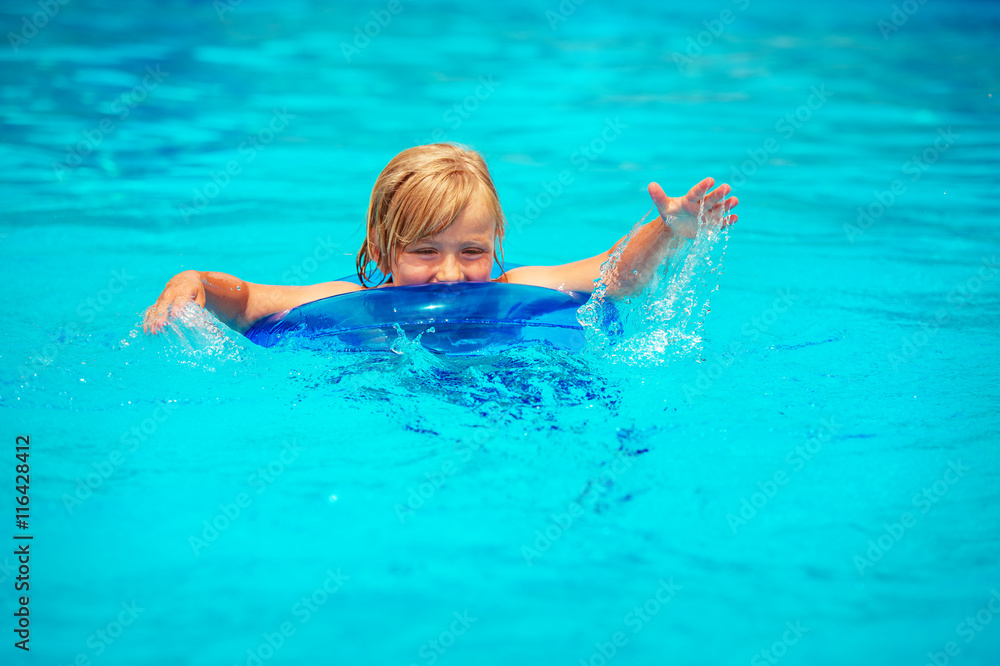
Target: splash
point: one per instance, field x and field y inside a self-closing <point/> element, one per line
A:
<point x="416" y="356"/>
<point x="194" y="336"/>
<point x="665" y="319"/>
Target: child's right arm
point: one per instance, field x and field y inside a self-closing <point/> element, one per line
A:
<point x="652" y="243"/>
<point x="236" y="302"/>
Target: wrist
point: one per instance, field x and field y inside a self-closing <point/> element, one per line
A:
<point x="667" y="225"/>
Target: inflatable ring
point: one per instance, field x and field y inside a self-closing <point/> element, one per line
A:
<point x="453" y="318"/>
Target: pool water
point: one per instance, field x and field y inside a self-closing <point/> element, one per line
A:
<point x="809" y="474"/>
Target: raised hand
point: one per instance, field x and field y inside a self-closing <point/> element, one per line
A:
<point x="681" y="213"/>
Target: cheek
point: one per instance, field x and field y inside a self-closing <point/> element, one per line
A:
<point x="406" y="271"/>
<point x="481" y="270"/>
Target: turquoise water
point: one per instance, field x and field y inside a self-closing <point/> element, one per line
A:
<point x="815" y="477"/>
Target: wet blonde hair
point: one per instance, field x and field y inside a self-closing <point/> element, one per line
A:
<point x="419" y="194"/>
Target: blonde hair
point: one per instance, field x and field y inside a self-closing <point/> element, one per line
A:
<point x="419" y="194"/>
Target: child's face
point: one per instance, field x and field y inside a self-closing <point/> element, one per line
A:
<point x="463" y="252"/>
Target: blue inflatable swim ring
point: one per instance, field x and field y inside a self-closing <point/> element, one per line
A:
<point x="452" y="318"/>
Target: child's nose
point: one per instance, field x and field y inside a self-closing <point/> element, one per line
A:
<point x="449" y="271"/>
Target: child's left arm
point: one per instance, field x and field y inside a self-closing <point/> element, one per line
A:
<point x="652" y="243"/>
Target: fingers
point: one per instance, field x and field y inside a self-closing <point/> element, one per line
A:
<point x="182" y="289"/>
<point x="698" y="191"/>
<point x="657" y="194"/>
<point x="718" y="199"/>
<point x="713" y="203"/>
<point x="717" y="195"/>
<point x="721" y="208"/>
<point x="153" y="318"/>
<point x="660" y="198"/>
<point x="698" y="199"/>
<point x="157" y="314"/>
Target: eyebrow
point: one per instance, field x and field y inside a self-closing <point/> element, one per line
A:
<point x="477" y="241"/>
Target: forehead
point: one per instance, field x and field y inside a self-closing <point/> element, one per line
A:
<point x="477" y="222"/>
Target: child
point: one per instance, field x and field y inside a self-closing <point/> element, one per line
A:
<point x="434" y="216"/>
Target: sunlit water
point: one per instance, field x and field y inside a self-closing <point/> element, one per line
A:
<point x="745" y="467"/>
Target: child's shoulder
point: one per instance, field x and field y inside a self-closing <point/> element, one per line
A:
<point x="575" y="276"/>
